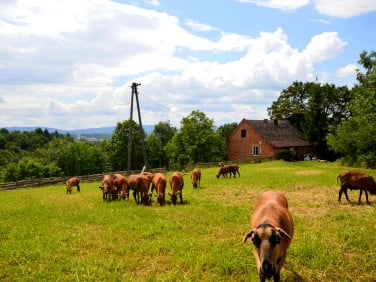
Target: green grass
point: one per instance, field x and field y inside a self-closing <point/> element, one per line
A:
<point x="48" y="235"/>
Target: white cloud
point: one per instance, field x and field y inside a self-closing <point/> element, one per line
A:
<point x="199" y="26"/>
<point x="332" y="8"/>
<point x="347" y="70"/>
<point x="279" y="4"/>
<point x="153" y="2"/>
<point x="324" y="46"/>
<point x="323" y="21"/>
<point x="344" y="9"/>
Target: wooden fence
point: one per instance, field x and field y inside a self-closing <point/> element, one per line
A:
<point x="55" y="180"/>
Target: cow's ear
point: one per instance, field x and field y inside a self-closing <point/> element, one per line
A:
<point x="249" y="234"/>
<point x="284" y="234"/>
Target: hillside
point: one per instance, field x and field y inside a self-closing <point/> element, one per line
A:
<point x="91" y="134"/>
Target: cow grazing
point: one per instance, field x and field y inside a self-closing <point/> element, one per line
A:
<point x="196" y="177"/>
<point x="228" y="169"/>
<point x="272" y="229"/>
<point x="223" y="170"/>
<point x="121" y="185"/>
<point x="176" y="183"/>
<point x="159" y="183"/>
<point x="108" y="188"/>
<point x="73" y="181"/>
<point x="355" y="180"/>
<point x="139" y="183"/>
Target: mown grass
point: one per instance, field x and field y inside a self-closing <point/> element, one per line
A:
<point x="48" y="235"/>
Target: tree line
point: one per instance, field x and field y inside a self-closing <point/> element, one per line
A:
<point x="339" y="122"/>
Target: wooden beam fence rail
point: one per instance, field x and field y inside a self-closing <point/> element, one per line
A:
<point x="29" y="183"/>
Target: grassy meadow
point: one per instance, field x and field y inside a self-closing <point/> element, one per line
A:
<point x="48" y="235"/>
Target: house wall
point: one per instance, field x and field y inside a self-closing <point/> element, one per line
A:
<point x="241" y="148"/>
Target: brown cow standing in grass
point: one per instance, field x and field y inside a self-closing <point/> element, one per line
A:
<point x="73" y="181"/>
<point x="108" y="188"/>
<point x="272" y="229"/>
<point x="355" y="180"/>
<point x="121" y="185"/>
<point x="224" y="170"/>
<point x="176" y="183"/>
<point x="139" y="183"/>
<point x="159" y="183"/>
<point x="196" y="177"/>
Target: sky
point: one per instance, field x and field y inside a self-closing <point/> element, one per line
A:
<point x="70" y="64"/>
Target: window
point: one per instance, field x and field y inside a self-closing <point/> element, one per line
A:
<point x="255" y="151"/>
<point x="243" y="133"/>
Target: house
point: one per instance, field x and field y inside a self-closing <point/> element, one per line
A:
<point x="265" y="139"/>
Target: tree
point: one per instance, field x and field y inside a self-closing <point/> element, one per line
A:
<point x="156" y="142"/>
<point x="314" y="109"/>
<point x="117" y="148"/>
<point x="225" y="130"/>
<point x="355" y="138"/>
<point x="195" y="142"/>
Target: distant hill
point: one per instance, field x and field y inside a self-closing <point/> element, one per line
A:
<point x="85" y="131"/>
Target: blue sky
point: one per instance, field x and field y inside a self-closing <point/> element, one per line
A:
<point x="70" y="64"/>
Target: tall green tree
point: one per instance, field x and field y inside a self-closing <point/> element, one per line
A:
<point x="355" y="138"/>
<point x="196" y="141"/>
<point x="156" y="142"/>
<point x="117" y="149"/>
<point x="314" y="109"/>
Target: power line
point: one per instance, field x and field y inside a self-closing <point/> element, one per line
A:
<point x="58" y="107"/>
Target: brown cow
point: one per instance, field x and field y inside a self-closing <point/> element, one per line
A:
<point x="159" y="183"/>
<point x="108" y="188"/>
<point x="121" y="185"/>
<point x="355" y="180"/>
<point x="272" y="229"/>
<point x="139" y="183"/>
<point x="176" y="183"/>
<point x="228" y="169"/>
<point x="73" y="181"/>
<point x="196" y="177"/>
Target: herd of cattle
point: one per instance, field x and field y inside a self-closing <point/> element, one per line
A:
<point x="272" y="226"/>
<point x="118" y="187"/>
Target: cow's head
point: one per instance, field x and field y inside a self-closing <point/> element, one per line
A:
<point x="267" y="249"/>
<point x="161" y="199"/>
<point x="105" y="188"/>
<point x="174" y="197"/>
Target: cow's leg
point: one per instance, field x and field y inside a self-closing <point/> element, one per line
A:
<point x="345" y="191"/>
<point x="365" y="192"/>
<point x="360" y="194"/>
<point x="340" y="193"/>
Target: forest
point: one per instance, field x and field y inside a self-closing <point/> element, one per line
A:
<point x="338" y="121"/>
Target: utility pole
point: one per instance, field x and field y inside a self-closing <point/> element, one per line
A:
<point x="134" y="93"/>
